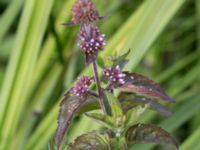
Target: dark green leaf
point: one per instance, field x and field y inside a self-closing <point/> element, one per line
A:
<point x="68" y="108"/>
<point x="149" y="133"/>
<point x="140" y="84"/>
<point x="90" y="141"/>
<point x="90" y="104"/>
<point x="121" y="61"/>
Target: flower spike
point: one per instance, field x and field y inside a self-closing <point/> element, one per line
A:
<point x="114" y="75"/>
<point x="81" y="87"/>
<point x="84" y="12"/>
<point x="91" y="41"/>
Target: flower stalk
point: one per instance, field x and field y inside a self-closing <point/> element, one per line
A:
<point x="98" y="85"/>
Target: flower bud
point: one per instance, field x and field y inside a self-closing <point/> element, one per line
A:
<point x="84" y="12"/>
<point x="114" y="75"/>
<point x="91" y="41"/>
<point x="81" y="87"/>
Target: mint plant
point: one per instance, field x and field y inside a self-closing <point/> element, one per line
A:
<point x="119" y="112"/>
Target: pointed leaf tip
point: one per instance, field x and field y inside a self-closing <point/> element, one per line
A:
<point x="140" y="84"/>
<point x="130" y="101"/>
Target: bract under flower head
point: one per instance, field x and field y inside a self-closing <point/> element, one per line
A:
<point x="84" y="12"/>
<point x="81" y="87"/>
<point x="114" y="75"/>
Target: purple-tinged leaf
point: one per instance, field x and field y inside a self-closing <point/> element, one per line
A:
<point x="149" y="133"/>
<point x="160" y="108"/>
<point x="90" y="141"/>
<point x="140" y="84"/>
<point x="68" y="108"/>
<point x="132" y="101"/>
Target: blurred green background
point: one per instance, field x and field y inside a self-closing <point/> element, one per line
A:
<point x="39" y="60"/>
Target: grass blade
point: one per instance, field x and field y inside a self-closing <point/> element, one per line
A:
<point x="28" y="41"/>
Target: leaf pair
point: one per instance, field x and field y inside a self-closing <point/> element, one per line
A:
<point x="117" y="117"/>
<point x="139" y="133"/>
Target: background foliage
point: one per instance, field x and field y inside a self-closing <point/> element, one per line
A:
<point x="39" y="61"/>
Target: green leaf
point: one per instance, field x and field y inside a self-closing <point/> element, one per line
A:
<point x="133" y="114"/>
<point x="100" y="62"/>
<point x="105" y="119"/>
<point x="115" y="105"/>
<point x="140" y="84"/>
<point x="149" y="133"/>
<point x="90" y="141"/>
<point x="121" y="61"/>
<point x="118" y="144"/>
<point x="113" y="61"/>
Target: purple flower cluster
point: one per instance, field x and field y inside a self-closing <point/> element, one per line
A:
<point x="91" y="40"/>
<point x="84" y="11"/>
<point x="81" y="87"/>
<point x="114" y="75"/>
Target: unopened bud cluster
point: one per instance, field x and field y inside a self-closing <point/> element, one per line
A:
<point x="84" y="12"/>
<point x="81" y="87"/>
<point x="114" y="75"/>
<point x="91" y="40"/>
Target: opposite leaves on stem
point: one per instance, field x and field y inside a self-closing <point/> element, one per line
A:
<point x="138" y="93"/>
